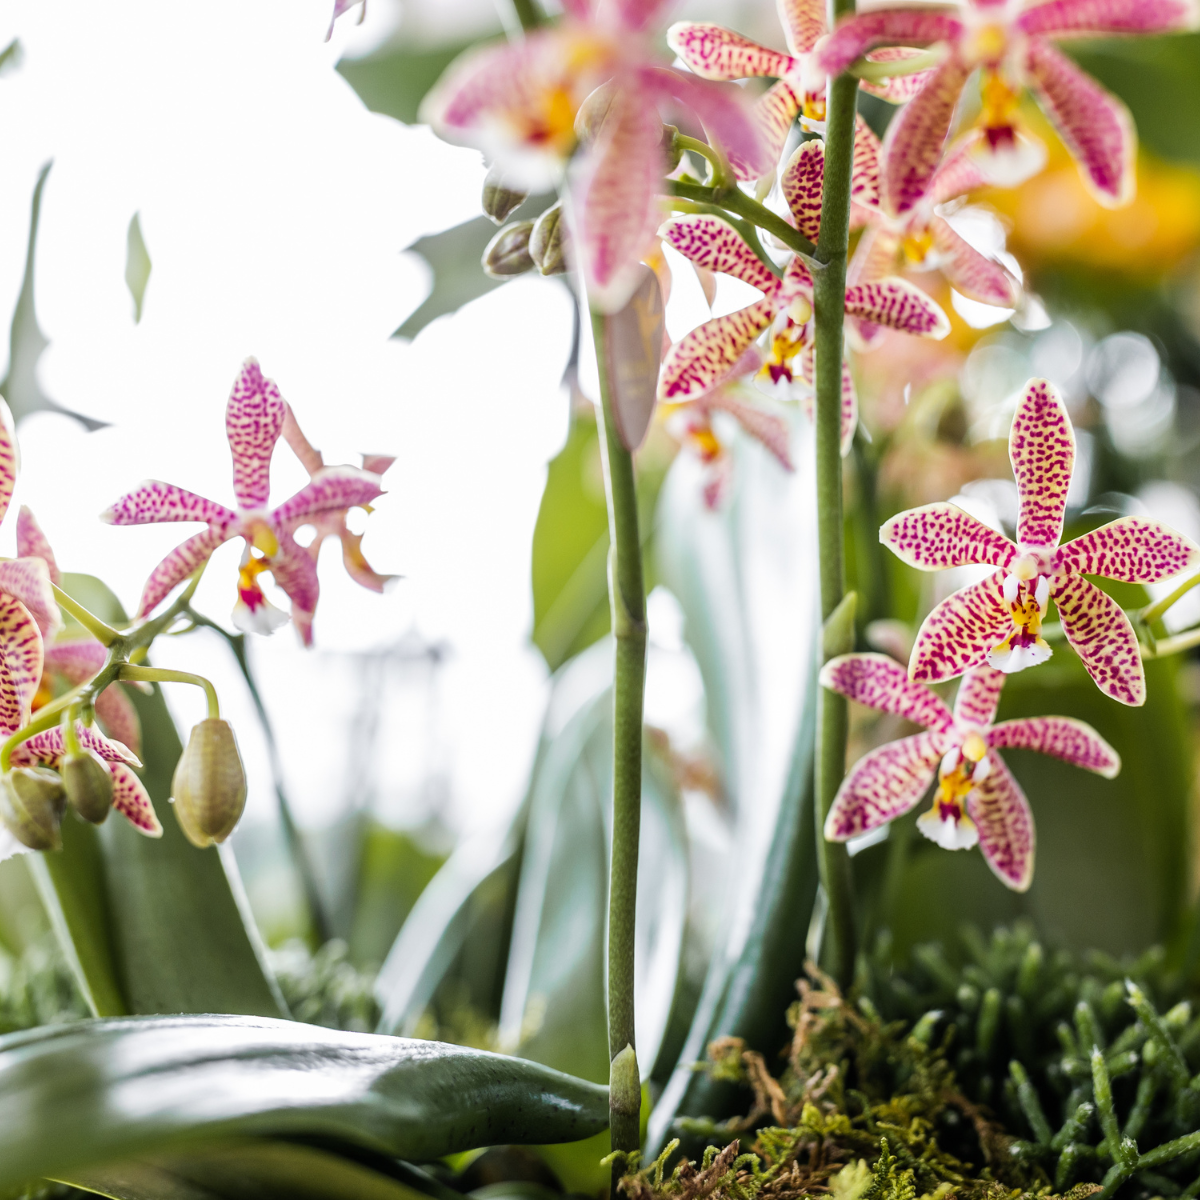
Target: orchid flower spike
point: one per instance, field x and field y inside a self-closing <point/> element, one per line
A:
<point x="73" y="656"/>
<point x="710" y="354"/>
<point x="254" y="419"/>
<point x="999" y="619"/>
<point x="1010" y="42"/>
<point x="523" y="104"/>
<point x="977" y="800"/>
<point x="714" y="52"/>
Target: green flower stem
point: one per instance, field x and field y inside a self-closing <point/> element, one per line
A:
<point x="70" y="739"/>
<point x="1155" y="611"/>
<point x="829" y="295"/>
<point x="721" y="176"/>
<point x="104" y="633"/>
<point x="1163" y="647"/>
<point x="872" y="72"/>
<point x="628" y="602"/>
<point x="164" y="675"/>
<point x="527" y="13"/>
<point x="732" y="199"/>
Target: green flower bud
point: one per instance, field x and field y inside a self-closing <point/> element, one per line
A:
<point x="209" y="786"/>
<point x="88" y="784"/>
<point x="499" y="201"/>
<point x="508" y="252"/>
<point x="671" y="148"/>
<point x="546" y="242"/>
<point x="31" y="806"/>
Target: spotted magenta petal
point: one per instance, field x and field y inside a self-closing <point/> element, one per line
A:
<point x="998" y="619"/>
<point x="1107" y="16"/>
<point x="178" y="566"/>
<point x="332" y="489"/>
<point x="978" y="697"/>
<point x="887" y="26"/>
<point x="33" y="543"/>
<point x="28" y="580"/>
<point x="1073" y="741"/>
<point x="801" y="184"/>
<point x="153" y="502"/>
<point x="1001" y="814"/>
<point x="21" y="659"/>
<point x="973" y="274"/>
<point x="76" y="660"/>
<point x="877" y="681"/>
<point x="253" y="421"/>
<point x="717" y="53"/>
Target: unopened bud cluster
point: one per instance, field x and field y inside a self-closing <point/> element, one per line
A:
<point x="209" y="785"/>
<point x="528" y="245"/>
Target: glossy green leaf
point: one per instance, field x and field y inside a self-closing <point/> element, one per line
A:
<point x="27" y="343"/>
<point x="137" y="265"/>
<point x="127" y="1087"/>
<point x="394" y="80"/>
<point x="248" y="1170"/>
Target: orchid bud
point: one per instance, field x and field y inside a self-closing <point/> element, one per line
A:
<point x="89" y="786"/>
<point x="499" y="200"/>
<point x="593" y="112"/>
<point x="508" y="252"/>
<point x="546" y="242"/>
<point x="31" y="806"/>
<point x="672" y="150"/>
<point x="209" y="786"/>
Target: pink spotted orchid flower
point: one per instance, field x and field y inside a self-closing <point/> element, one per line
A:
<point x="519" y="104"/>
<point x="254" y="419"/>
<point x="344" y="6"/>
<point x="1010" y="43"/>
<point x="998" y="620"/>
<point x="712" y="353"/>
<point x="977" y="801"/>
<point x="73" y="656"/>
<point x="714" y="52"/>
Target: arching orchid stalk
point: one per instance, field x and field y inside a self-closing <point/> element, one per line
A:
<point x="1010" y="43"/>
<point x="254" y="419"/>
<point x="519" y="104"/>
<point x="977" y="800"/>
<point x="999" y="619"/>
<point x="714" y="52"/>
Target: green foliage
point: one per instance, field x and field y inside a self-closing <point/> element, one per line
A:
<point x="137" y="265"/>
<point x="394" y="80"/>
<point x="38" y="988"/>
<point x="325" y="988"/>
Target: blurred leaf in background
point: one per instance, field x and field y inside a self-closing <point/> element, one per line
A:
<point x="137" y="265"/>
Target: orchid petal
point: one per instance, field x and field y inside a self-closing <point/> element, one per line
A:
<point x="1041" y="448"/>
<point x="774" y="113"/>
<point x="864" y="177"/>
<point x="767" y="428"/>
<point x="801" y="183"/>
<point x="49" y="746"/>
<point x="119" y="717"/>
<point x="1073" y="741"/>
<point x="253" y="421"/>
<point x="357" y="566"/>
<point x="804" y="23"/>
<point x="133" y="802"/>
<point x="33" y="543"/>
<point x="959" y="632"/>
<point x="9" y="459"/>
<point x="296" y="573"/>
<point x="21" y="661"/>
<point x="899" y="26"/>
<point x="709" y="354"/>
<point x="1107" y="16"/>
<point x="1131" y="549"/>
<point x="714" y="244"/>
<point x="937" y="536"/>
<point x="331" y="489"/>
<point x="177" y="566"/>
<point x="151" y="502"/>
<point x="877" y="681"/>
<point x="973" y="274"/>
<point x="978" y="695"/>
<point x="28" y="580"/>
<point x="715" y="52"/>
<point x="883" y="785"/>
<point x="638" y="14"/>
<point x="1100" y="633"/>
<point x="76" y="659"/>
<point x="376" y="464"/>
<point x="613" y="206"/>
<point x="958" y="173"/>
<point x="900" y="88"/>
<point x="913" y="145"/>
<point x="898" y="304"/>
<point x="1094" y="124"/>
<point x="874" y="257"/>
<point x="723" y="109"/>
<point x="1006" y="837"/>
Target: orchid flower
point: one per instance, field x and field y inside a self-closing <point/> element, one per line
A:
<point x="1009" y="41"/>
<point x="254" y="419"/>
<point x="21" y="668"/>
<point x="999" y="619"/>
<point x="977" y="800"/>
<point x="519" y="104"/>
<point x="714" y="52"/>
<point x="73" y="657"/>
<point x="710" y="354"/>
<point x="344" y="6"/>
<point x="922" y="239"/>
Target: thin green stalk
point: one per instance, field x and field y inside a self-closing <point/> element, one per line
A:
<point x="872" y="72"/>
<point x="527" y="13"/>
<point x="829" y="295"/>
<point x="166" y="675"/>
<point x="628" y="601"/>
<point x="1156" y="610"/>
<point x="734" y="200"/>
<point x="720" y="176"/>
<point x="104" y="633"/>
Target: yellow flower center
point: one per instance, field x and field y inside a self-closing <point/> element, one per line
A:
<point x="813" y="106"/>
<point x="961" y="771"/>
<point x="1000" y="100"/>
<point x="917" y="244"/>
<point x="988" y="44"/>
<point x="264" y="540"/>
<point x="1027" y="593"/>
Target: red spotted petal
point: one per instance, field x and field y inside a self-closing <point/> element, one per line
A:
<point x="714" y="52"/>
<point x="959" y="632"/>
<point x="973" y="274"/>
<point x="1100" y="632"/>
<point x="331" y="489"/>
<point x="958" y="173"/>
<point x="709" y="354"/>
<point x="296" y="573"/>
<point x="1041" y="448"/>
<point x="28" y="580"/>
<point x="152" y="502"/>
<point x="864" y="179"/>
<point x="767" y="428"/>
<point x="774" y="113"/>
<point x="1062" y="737"/>
<point x="898" y="304"/>
<point x="884" y="785"/>
<point x="1107" y="16"/>
<point x="33" y="543"/>
<point x="887" y="26"/>
<point x="253" y="421"/>
<point x="709" y="242"/>
<point x="804" y="23"/>
<point x="21" y="661"/>
<point x="133" y="802"/>
<point x="937" y="536"/>
<point x="801" y="183"/>
<point x="900" y="88"/>
<point x="1006" y="836"/>
<point x="177" y="566"/>
<point x="978" y="696"/>
<point x="877" y="681"/>
<point x="76" y="659"/>
<point x="1131" y="549"/>
<point x="119" y="717"/>
<point x="49" y="746"/>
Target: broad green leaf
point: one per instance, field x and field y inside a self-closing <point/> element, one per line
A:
<point x="247" y="1170"/>
<point x="20" y="385"/>
<point x="124" y="1088"/>
<point x="137" y="265"/>
<point x="393" y="81"/>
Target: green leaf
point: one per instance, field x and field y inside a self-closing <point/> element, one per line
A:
<point x="137" y="265"/>
<point x="20" y="385"/>
<point x="393" y="81"/>
<point x="250" y="1170"/>
<point x="127" y="1087"/>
